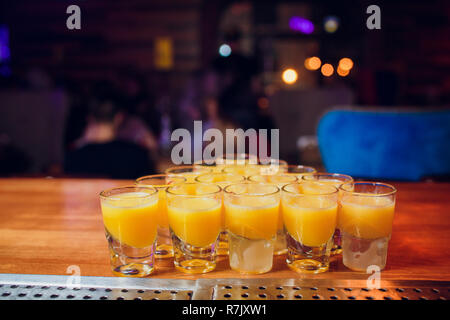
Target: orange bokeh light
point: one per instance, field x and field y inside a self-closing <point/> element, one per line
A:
<point x="345" y="64"/>
<point x="312" y="63"/>
<point x="327" y="69"/>
<point x="342" y="73"/>
<point x="289" y="76"/>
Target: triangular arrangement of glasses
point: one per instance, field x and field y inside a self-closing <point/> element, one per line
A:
<point x="250" y="210"/>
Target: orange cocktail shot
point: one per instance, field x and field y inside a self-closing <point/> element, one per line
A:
<point x="251" y="168"/>
<point x="160" y="182"/>
<point x="336" y="180"/>
<point x="195" y="218"/>
<point x="251" y="218"/>
<point x="280" y="180"/>
<point x="365" y="220"/>
<point x="309" y="214"/>
<point x="130" y="216"/>
<point x="223" y="180"/>
<point x="233" y="159"/>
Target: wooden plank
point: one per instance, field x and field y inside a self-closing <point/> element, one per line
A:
<point x="47" y="225"/>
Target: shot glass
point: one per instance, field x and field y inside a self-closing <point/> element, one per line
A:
<point x="236" y="159"/>
<point x="160" y="182"/>
<point x="272" y="166"/>
<point x="251" y="218"/>
<point x="189" y="172"/>
<point x="130" y="216"/>
<point x="269" y="167"/>
<point x="195" y="215"/>
<point x="245" y="170"/>
<point x="336" y="180"/>
<point x="211" y="166"/>
<point x="223" y="180"/>
<point x="309" y="216"/>
<point x="280" y="180"/>
<point x="367" y="213"/>
<point x="219" y="163"/>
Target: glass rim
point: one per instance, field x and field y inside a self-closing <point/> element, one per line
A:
<point x="301" y="166"/>
<point x="193" y="195"/>
<point x="259" y="166"/>
<point x="159" y="175"/>
<point x="187" y="166"/>
<point x="284" y="189"/>
<point x="372" y="183"/>
<point x="235" y="156"/>
<point x="324" y="174"/>
<point x="248" y="159"/>
<point x="286" y="174"/>
<point x="127" y="187"/>
<point x="204" y="163"/>
<point x="252" y="194"/>
<point x="219" y="173"/>
<point x="273" y="161"/>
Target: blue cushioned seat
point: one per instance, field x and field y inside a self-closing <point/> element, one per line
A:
<point x="406" y="145"/>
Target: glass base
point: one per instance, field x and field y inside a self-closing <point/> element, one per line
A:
<point x="280" y="243"/>
<point x="305" y="259"/>
<point x="359" y="254"/>
<point x="192" y="259"/>
<point x="164" y="251"/>
<point x="137" y="270"/>
<point x="307" y="266"/>
<point x="195" y="266"/>
<point x="250" y="256"/>
<point x="164" y="247"/>
<point x="222" y="248"/>
<point x="127" y="261"/>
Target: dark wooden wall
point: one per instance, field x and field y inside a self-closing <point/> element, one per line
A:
<point x="413" y="43"/>
<point x="113" y="34"/>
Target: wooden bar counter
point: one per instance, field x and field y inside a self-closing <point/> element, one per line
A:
<point x="47" y="225"/>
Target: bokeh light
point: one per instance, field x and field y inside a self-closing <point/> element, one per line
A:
<point x="331" y="24"/>
<point x="289" y="76"/>
<point x="342" y="73"/>
<point x="312" y="63"/>
<point x="327" y="69"/>
<point x="263" y="103"/>
<point x="345" y="64"/>
<point x="301" y="24"/>
<point x="224" y="50"/>
<point x="270" y="90"/>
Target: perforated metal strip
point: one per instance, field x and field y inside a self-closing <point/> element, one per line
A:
<point x="17" y="286"/>
<point x="227" y="292"/>
<point x="42" y="287"/>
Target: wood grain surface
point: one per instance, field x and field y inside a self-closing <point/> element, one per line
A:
<point x="47" y="225"/>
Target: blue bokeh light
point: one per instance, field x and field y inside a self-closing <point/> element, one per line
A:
<point x="331" y="24"/>
<point x="224" y="50"/>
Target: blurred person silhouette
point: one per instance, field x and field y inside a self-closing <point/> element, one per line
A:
<point x="236" y="97"/>
<point x="190" y="103"/>
<point x="77" y="115"/>
<point x="101" y="152"/>
<point x="132" y="128"/>
<point x="138" y="102"/>
<point x="235" y="67"/>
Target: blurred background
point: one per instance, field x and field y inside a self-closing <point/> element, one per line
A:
<point x="102" y="101"/>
